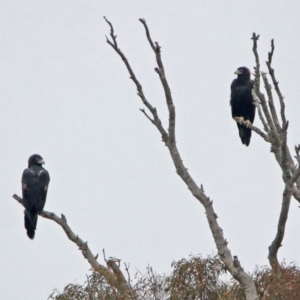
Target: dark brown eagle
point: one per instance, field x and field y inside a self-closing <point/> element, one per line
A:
<point x="35" y="181"/>
<point x="241" y="101"/>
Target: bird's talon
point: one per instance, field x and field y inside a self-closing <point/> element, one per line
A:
<point x="239" y="119"/>
<point x="247" y="123"/>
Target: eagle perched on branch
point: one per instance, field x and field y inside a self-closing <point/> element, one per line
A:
<point x="241" y="101"/>
<point x="35" y="181"/>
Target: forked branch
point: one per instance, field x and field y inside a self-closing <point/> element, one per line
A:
<point x="278" y="138"/>
<point x="224" y="253"/>
<point x="273" y="134"/>
<point x="268" y="89"/>
<point x="257" y="68"/>
<point x="156" y="121"/>
<point x="277" y="134"/>
<point x="161" y="72"/>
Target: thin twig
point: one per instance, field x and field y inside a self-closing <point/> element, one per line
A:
<point x="156" y="121"/>
<point x="129" y="280"/>
<point x="297" y="150"/>
<point x="147" y="116"/>
<point x="271" y="103"/>
<point x="276" y="83"/>
<point x="162" y="75"/>
<point x="90" y="296"/>
<point x="273" y="134"/>
<point x="257" y="67"/>
<point x="261" y="116"/>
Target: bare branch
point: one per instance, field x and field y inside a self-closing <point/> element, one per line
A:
<point x="273" y="134"/>
<point x="270" y="54"/>
<point x="260" y="114"/>
<point x="155" y="49"/>
<point x="275" y="82"/>
<point x="257" y="68"/>
<point x="144" y="112"/>
<point x="253" y="128"/>
<point x="112" y="280"/>
<point x="157" y="121"/>
<point x="276" y="244"/>
<point x="277" y="135"/>
<point x="161" y="72"/>
<point x="285" y="162"/>
<point x="271" y="103"/>
<point x="224" y="253"/>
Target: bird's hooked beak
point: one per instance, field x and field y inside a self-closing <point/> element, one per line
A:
<point x="238" y="72"/>
<point x="41" y="161"/>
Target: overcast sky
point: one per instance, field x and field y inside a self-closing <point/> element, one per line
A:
<point x="65" y="94"/>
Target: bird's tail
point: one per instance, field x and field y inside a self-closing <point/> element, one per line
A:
<point x="30" y="219"/>
<point x="245" y="135"/>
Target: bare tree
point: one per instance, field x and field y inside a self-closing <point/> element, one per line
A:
<point x="273" y="132"/>
<point x="169" y="139"/>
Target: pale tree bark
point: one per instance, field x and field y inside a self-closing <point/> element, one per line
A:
<point x="169" y="139"/>
<point x="275" y="132"/>
<point x="112" y="273"/>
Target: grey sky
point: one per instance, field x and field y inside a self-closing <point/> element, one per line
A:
<point x="66" y="95"/>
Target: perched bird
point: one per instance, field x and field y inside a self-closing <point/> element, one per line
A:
<point x="35" y="181"/>
<point x="241" y="101"/>
<point x="236" y="262"/>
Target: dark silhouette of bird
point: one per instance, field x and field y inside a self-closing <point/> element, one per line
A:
<point x="241" y="101"/>
<point x="35" y="181"/>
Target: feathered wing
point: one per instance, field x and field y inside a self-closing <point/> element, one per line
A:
<point x="35" y="183"/>
<point x="241" y="102"/>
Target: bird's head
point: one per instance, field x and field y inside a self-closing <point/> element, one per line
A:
<point x="243" y="72"/>
<point x="35" y="159"/>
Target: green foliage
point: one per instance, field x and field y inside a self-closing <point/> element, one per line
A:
<point x="195" y="278"/>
